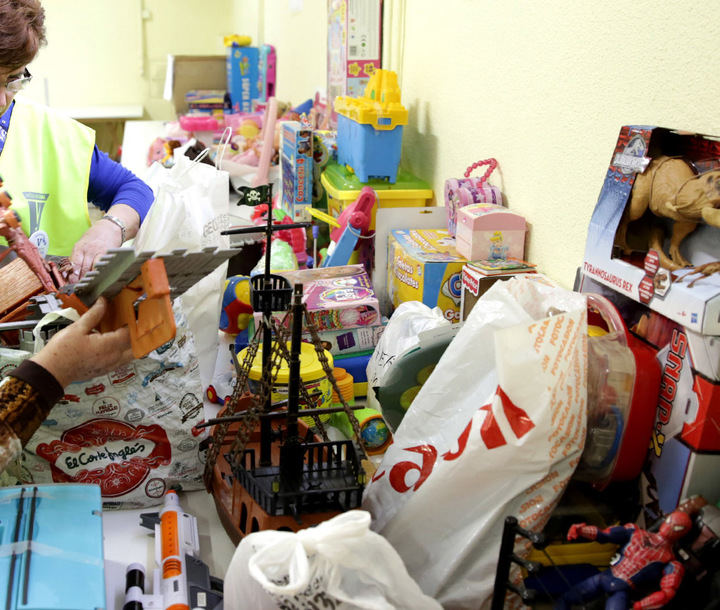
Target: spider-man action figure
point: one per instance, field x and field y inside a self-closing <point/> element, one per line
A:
<point x="644" y="558"/>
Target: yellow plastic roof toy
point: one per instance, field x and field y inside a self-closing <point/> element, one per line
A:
<point x="380" y="105"/>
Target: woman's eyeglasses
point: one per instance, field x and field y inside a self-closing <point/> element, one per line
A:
<point x="17" y="84"/>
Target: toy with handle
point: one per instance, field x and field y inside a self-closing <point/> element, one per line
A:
<point x="352" y="224"/>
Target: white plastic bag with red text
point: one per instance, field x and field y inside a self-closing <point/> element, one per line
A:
<point x="496" y="430"/>
<point x="338" y="564"/>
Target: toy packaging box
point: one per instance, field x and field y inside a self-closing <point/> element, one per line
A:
<point x="267" y="68"/>
<point x="618" y="250"/>
<point x="343" y="341"/>
<point x="466" y="191"/>
<point x="337" y="297"/>
<point x="354" y="47"/>
<point x="296" y="160"/>
<point x="488" y="231"/>
<point x="689" y="400"/>
<point x="478" y="276"/>
<point x="423" y="265"/>
<point x="243" y="76"/>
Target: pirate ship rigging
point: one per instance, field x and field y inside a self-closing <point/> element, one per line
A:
<point x="266" y="467"/>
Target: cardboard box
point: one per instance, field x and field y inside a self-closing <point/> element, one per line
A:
<point x="478" y="276"/>
<point x="354" y="47"/>
<point x="423" y="265"/>
<point x="337" y="297"/>
<point x="487" y="231"/>
<point x="638" y="274"/>
<point x="187" y="72"/>
<point x="243" y="76"/>
<point x="678" y="474"/>
<point x="296" y="161"/>
<point x="350" y="340"/>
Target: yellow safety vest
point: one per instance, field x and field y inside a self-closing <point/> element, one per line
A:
<point x="45" y="166"/>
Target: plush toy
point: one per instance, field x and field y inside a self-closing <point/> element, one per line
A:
<point x="669" y="188"/>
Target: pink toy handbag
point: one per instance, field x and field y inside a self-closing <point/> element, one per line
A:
<point x="465" y="191"/>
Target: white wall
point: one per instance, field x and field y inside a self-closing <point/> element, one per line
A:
<point x="113" y="52"/>
<point x="544" y="87"/>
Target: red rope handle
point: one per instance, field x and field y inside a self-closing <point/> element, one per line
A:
<point x="492" y="163"/>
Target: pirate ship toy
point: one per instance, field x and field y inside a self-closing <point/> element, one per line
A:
<point x="266" y="467"/>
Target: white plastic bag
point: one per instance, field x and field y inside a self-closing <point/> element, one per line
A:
<point x="130" y="431"/>
<point x="338" y="564"/>
<point x="496" y="430"/>
<point x="191" y="209"/>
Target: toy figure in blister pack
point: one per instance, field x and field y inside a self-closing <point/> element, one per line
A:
<point x="644" y="558"/>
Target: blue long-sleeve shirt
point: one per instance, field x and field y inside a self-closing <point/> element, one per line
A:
<point x="109" y="182"/>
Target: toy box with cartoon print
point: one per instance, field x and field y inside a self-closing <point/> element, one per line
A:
<point x="243" y="76"/>
<point x="296" y="160"/>
<point x="653" y="235"/>
<point x="354" y="47"/>
<point x="423" y="265"/>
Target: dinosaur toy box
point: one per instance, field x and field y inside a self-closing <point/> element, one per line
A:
<point x="653" y="235"/>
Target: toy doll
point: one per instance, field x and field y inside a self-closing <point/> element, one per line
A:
<point x="644" y="558"/>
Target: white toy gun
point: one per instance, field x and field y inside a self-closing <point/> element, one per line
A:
<point x="181" y="581"/>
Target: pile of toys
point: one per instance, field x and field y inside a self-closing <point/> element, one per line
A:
<point x="378" y="355"/>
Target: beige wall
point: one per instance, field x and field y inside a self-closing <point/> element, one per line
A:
<point x="542" y="86"/>
<point x="114" y="52"/>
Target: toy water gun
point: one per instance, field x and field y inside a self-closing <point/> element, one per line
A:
<point x="352" y="224"/>
<point x="181" y="580"/>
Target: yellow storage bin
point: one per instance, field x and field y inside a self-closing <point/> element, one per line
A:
<point x="343" y="187"/>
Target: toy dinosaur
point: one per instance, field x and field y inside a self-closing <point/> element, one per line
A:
<point x="671" y="189"/>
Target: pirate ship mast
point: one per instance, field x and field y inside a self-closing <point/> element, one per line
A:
<point x="265" y="468"/>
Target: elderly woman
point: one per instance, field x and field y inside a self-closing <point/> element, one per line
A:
<point x="50" y="163"/>
<point x="75" y="353"/>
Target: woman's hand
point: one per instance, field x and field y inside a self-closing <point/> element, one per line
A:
<point x="79" y="352"/>
<point x="97" y="240"/>
<point x="100" y="237"/>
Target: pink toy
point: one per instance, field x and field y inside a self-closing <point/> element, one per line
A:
<point x="467" y="190"/>
<point x="295" y="237"/>
<point x="357" y="214"/>
<point x="487" y="231"/>
<point x="191" y="122"/>
<point x="268" y="148"/>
